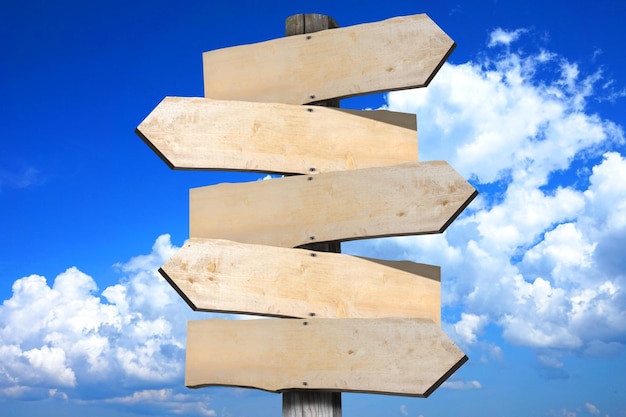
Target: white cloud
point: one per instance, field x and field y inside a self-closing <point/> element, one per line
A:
<point x="540" y="251"/>
<point x="468" y="328"/>
<point x="168" y="400"/>
<point x="144" y="395"/>
<point x="462" y="385"/>
<point x="605" y="196"/>
<point x="51" y="363"/>
<point x="403" y="410"/>
<point x="503" y="37"/>
<point x="492" y="111"/>
<point x="524" y="214"/>
<point x="592" y="408"/>
<point x="562" y="250"/>
<point x="65" y="337"/>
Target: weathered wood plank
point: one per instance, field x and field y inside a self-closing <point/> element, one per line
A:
<point x="303" y="403"/>
<point x="407" y="199"/>
<point x="399" y="53"/>
<point x="393" y="355"/>
<point x="232" y="277"/>
<point x="201" y="133"/>
<point x="299" y="403"/>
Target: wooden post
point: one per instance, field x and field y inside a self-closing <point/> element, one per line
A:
<point x="303" y="403"/>
<point x="299" y="24"/>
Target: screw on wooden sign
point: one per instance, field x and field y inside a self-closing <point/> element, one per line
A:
<point x="361" y="180"/>
<point x="409" y="51"/>
<point x="276" y="138"/>
<point x="210" y="275"/>
<point x="400" y="355"/>
<point x="407" y="199"/>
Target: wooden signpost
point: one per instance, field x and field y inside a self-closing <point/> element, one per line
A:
<point x="196" y="133"/>
<point x="210" y="276"/>
<point x="400" y="53"/>
<point x="406" y="199"/>
<point x="355" y="355"/>
<point x="348" y="323"/>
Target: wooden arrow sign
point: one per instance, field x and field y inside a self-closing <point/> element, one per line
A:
<point x="405" y="199"/>
<point x="199" y="133"/>
<point x="396" y="356"/>
<point x="399" y="53"/>
<point x="232" y="277"/>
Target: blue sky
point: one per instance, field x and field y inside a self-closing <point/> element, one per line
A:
<point x="529" y="108"/>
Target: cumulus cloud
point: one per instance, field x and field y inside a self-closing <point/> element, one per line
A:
<point x="63" y="339"/>
<point x="468" y="328"/>
<point x="539" y="252"/>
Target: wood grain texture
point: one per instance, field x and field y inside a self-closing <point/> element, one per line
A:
<point x="392" y="355"/>
<point x="298" y="403"/>
<point x="399" y="53"/>
<point x="232" y="277"/>
<point x="298" y="24"/>
<point x="303" y="403"/>
<point x="200" y="133"/>
<point x="406" y="199"/>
